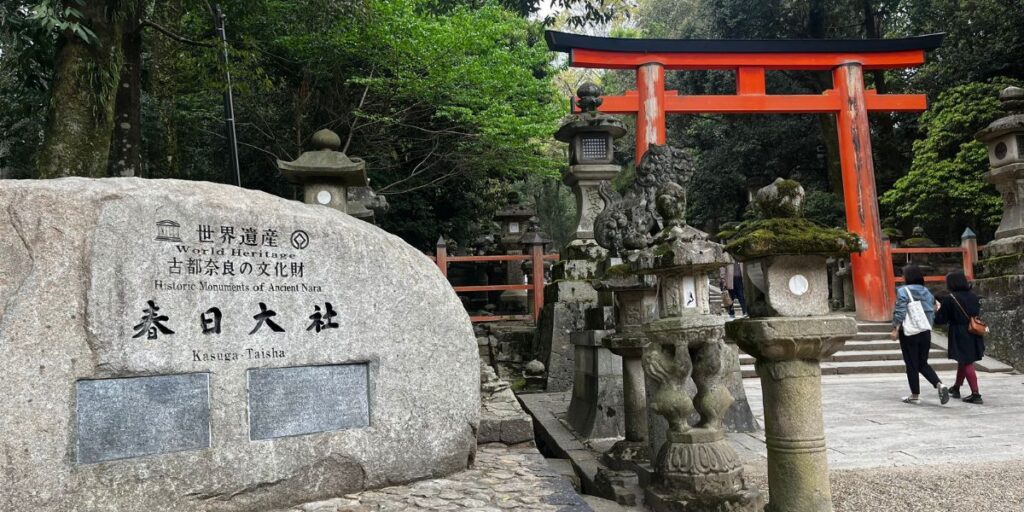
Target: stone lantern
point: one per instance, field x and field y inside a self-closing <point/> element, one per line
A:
<point x="326" y="173"/>
<point x="789" y="331"/>
<point x="695" y="466"/>
<point x="591" y="137"/>
<point x="1005" y="141"/>
<point x="513" y="221"/>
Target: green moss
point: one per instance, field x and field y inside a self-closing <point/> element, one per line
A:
<point x="518" y="384"/>
<point x="790" y="236"/>
<point x="788" y="188"/>
<point x="919" y="242"/>
<point x="786" y="202"/>
<point x="892" y="233"/>
<point x="726" y="234"/>
<point x="1002" y="265"/>
<point x="622" y="269"/>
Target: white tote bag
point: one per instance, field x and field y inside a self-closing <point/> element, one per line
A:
<point x="916" y="321"/>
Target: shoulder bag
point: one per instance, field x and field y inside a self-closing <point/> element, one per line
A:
<point x="975" y="325"/>
<point x="916" y="321"/>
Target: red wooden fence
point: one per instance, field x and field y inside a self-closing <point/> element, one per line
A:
<point x="535" y="288"/>
<point x="968" y="250"/>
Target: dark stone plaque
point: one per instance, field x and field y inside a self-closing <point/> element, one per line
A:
<point x="133" y="417"/>
<point x="307" y="399"/>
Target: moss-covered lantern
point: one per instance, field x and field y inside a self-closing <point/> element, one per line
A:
<point x="785" y="272"/>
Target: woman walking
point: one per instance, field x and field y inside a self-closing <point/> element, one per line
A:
<point x="915" y="347"/>
<point x="956" y="310"/>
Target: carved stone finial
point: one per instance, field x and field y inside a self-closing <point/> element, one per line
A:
<point x="589" y="96"/>
<point x="1012" y="99"/>
<point x="325" y="139"/>
<point x="780" y="200"/>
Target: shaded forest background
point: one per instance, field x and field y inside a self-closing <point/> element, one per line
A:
<point x="453" y="102"/>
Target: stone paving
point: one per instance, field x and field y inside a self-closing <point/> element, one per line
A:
<point x="503" y="478"/>
<point x="867" y="426"/>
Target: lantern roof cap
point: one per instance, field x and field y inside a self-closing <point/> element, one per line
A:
<point x="588" y="98"/>
<point x="325" y="163"/>
<point x="1012" y="99"/>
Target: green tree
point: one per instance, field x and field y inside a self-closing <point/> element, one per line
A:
<point x="944" y="191"/>
<point x="86" y="68"/>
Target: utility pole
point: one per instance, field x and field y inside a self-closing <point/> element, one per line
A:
<point x="229" y="102"/>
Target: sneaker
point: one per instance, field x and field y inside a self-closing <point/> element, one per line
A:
<point x="954" y="392"/>
<point x="911" y="400"/>
<point x="943" y="394"/>
<point x="974" y="398"/>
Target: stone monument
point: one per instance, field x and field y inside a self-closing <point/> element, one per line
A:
<point x="185" y="346"/>
<point x="590" y="135"/>
<point x="789" y="331"/>
<point x="1002" y="263"/>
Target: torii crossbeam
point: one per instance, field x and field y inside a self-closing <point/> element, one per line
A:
<point x="750" y="59"/>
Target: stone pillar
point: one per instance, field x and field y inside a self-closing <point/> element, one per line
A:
<point x="788" y="332"/>
<point x="596" y="409"/>
<point x="789" y="352"/>
<point x="636" y="304"/>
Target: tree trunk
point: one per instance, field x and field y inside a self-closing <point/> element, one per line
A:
<point x="126" y="142"/>
<point x="163" y="148"/>
<point x="80" y="118"/>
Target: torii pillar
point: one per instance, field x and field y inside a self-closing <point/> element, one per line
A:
<point x="873" y="286"/>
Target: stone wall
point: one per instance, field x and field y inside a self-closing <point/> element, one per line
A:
<point x="1002" y="308"/>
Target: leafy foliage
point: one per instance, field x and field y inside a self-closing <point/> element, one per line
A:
<point x="944" y="191"/>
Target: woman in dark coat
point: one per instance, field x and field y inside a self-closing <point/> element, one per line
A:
<point x="965" y="348"/>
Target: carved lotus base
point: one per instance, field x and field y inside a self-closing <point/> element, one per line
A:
<point x="708" y="468"/>
<point x="664" y="500"/>
<point x="625" y="453"/>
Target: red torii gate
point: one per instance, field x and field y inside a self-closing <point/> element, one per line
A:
<point x="845" y="58"/>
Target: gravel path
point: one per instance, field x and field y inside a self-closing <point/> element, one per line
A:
<point x="978" y="487"/>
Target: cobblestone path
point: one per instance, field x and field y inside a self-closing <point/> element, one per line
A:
<point x="502" y="479"/>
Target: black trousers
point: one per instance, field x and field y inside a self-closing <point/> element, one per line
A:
<point x="736" y="293"/>
<point x="915" y="355"/>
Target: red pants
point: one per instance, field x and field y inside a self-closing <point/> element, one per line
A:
<point x="967" y="371"/>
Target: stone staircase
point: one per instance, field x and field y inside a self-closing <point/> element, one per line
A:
<point x="871" y="351"/>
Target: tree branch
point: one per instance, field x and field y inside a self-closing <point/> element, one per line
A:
<point x="172" y="35"/>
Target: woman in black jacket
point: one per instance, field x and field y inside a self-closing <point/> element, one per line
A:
<point x="956" y="309"/>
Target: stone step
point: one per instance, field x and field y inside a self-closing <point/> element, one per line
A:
<point x="878" y="355"/>
<point x="872" y="336"/>
<point x="880" y="344"/>
<point x="882" y="327"/>
<point x="852" y="367"/>
<point x="860" y="355"/>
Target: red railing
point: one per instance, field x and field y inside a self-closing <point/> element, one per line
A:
<point x="968" y="250"/>
<point x="535" y="288"/>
